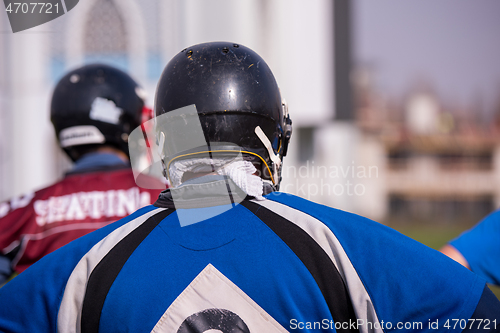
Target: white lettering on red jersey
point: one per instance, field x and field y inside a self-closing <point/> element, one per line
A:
<point x="36" y="224"/>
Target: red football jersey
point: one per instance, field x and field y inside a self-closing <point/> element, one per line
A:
<point x="38" y="223"/>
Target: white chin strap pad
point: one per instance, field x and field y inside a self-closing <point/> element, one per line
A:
<point x="274" y="158"/>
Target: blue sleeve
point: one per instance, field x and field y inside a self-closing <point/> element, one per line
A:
<point x="486" y="316"/>
<point x="5" y="269"/>
<point x="30" y="301"/>
<point x="406" y="280"/>
<point x="480" y="246"/>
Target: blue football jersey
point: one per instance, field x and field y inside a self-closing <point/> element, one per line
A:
<point x="283" y="264"/>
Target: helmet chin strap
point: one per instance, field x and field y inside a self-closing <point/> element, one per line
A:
<point x="274" y="158"/>
<point x="260" y="134"/>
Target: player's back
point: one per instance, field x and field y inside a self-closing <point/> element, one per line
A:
<point x="270" y="265"/>
<point x="38" y="223"/>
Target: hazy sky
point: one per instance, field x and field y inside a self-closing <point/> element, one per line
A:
<point x="453" y="44"/>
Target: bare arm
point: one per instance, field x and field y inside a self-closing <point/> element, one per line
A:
<point x="454" y="254"/>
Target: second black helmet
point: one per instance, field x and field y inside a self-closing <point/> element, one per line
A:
<point x="96" y="104"/>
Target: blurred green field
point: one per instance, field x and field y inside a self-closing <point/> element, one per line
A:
<point x="434" y="236"/>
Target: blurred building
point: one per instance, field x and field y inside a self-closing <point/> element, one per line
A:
<point x="441" y="163"/>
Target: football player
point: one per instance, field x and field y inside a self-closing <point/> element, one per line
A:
<point x="93" y="110"/>
<point x="224" y="251"/>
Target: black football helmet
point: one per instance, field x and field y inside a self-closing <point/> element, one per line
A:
<point x="96" y="104"/>
<point x="237" y="100"/>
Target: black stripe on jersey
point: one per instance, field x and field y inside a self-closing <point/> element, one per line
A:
<point x="104" y="274"/>
<point x="316" y="261"/>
